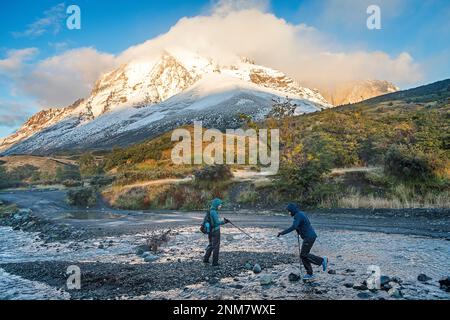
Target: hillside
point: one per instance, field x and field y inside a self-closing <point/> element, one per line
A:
<point x="395" y="153"/>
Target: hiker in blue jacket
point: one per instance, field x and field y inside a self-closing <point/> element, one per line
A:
<point x="214" y="232"/>
<point x="305" y="230"/>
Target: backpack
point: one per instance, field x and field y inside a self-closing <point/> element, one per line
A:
<point x="205" y="228"/>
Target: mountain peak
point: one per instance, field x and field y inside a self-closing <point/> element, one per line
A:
<point x="357" y="91"/>
<point x="166" y="85"/>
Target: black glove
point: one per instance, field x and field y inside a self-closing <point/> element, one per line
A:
<point x="226" y="220"/>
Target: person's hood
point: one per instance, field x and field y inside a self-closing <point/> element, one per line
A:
<point x="292" y="208"/>
<point x="216" y="203"/>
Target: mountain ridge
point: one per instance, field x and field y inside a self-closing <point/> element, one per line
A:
<point x="142" y="85"/>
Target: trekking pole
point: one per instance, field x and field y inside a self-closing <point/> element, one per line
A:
<point x="299" y="253"/>
<point x="240" y="229"/>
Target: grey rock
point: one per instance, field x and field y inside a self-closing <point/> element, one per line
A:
<point x="331" y="271"/>
<point x="384" y="280"/>
<point x="148" y="257"/>
<point x="237" y="286"/>
<point x="361" y="287"/>
<point x="395" y="293"/>
<point x="423" y="277"/>
<point x="444" y="284"/>
<point x="257" y="268"/>
<point x="293" y="277"/>
<point x="350" y="270"/>
<point x="265" y="280"/>
<point x="364" y="295"/>
<point x="348" y="285"/>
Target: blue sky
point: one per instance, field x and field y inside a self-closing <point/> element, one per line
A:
<point x="420" y="28"/>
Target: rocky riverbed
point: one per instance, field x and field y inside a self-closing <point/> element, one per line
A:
<point x="123" y="267"/>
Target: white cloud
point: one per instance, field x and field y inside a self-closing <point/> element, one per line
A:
<point x="51" y="21"/>
<point x="231" y="29"/>
<point x="298" y="50"/>
<point x="15" y="59"/>
<point x="60" y="80"/>
<point x="225" y="7"/>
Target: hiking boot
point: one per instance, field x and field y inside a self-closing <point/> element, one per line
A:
<point x="308" y="277"/>
<point x="325" y="264"/>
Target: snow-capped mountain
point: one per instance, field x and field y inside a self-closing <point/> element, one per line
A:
<point x="145" y="98"/>
<point x="357" y="91"/>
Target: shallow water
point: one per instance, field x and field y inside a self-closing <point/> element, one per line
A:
<point x="395" y="255"/>
<point x="92" y="215"/>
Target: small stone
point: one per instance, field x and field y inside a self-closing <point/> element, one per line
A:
<point x="444" y="284"/>
<point x="248" y="266"/>
<point x="348" y="285"/>
<point x="331" y="271"/>
<point x="266" y="280"/>
<point x="384" y="280"/>
<point x="148" y="257"/>
<point x="396" y="280"/>
<point x="257" y="268"/>
<point x="293" y="277"/>
<point x="361" y="287"/>
<point x="101" y="246"/>
<point x="395" y="293"/>
<point x="364" y="295"/>
<point x="386" y="287"/>
<point x="350" y="270"/>
<point x="237" y="286"/>
<point x="423" y="277"/>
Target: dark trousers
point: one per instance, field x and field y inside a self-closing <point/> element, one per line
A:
<point x="213" y="247"/>
<point x="307" y="257"/>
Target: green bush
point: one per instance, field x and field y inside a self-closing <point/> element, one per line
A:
<point x="132" y="199"/>
<point x="81" y="197"/>
<point x="248" y="196"/>
<point x="408" y="164"/>
<point x="67" y="173"/>
<point x="89" y="166"/>
<point x="213" y="173"/>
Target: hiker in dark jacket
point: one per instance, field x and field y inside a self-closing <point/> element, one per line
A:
<point x="214" y="233"/>
<point x="305" y="230"/>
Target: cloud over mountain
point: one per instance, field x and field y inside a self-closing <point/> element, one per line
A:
<point x="231" y="29"/>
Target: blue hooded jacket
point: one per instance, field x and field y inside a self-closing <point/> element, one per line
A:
<point x="215" y="218"/>
<point x="301" y="224"/>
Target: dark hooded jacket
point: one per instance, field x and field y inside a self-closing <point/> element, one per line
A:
<point x="301" y="224"/>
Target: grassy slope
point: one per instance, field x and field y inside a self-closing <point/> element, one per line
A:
<point x="358" y="135"/>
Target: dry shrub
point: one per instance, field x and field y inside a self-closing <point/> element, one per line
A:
<point x="156" y="239"/>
